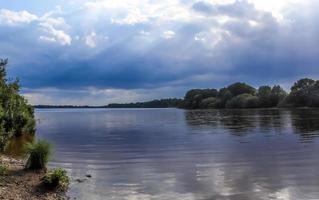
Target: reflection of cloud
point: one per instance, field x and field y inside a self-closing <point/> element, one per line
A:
<point x="155" y="154"/>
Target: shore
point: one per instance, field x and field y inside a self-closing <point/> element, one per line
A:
<point x="20" y="184"/>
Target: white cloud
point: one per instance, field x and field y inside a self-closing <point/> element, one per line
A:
<point x="15" y="18"/>
<point x="275" y="7"/>
<point x="90" y="39"/>
<point x="144" y="33"/>
<point x="133" y="17"/>
<point x="54" y="30"/>
<point x="55" y="35"/>
<point x="168" y="34"/>
<point x="47" y="39"/>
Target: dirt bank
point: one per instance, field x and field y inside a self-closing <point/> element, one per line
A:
<point x="20" y="184"/>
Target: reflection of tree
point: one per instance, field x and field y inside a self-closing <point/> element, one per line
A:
<point x="202" y="117"/>
<point x="272" y="120"/>
<point x="240" y="122"/>
<point x="237" y="121"/>
<point x="305" y="122"/>
<point x="15" y="145"/>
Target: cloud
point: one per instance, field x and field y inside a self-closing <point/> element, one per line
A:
<point x="16" y="18"/>
<point x="90" y="40"/>
<point x="94" y="96"/>
<point x="154" y="44"/>
<point x="55" y="35"/>
<point x="134" y="17"/>
<point x="168" y="34"/>
<point x="53" y="28"/>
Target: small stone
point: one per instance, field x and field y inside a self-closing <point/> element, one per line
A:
<point x="80" y="180"/>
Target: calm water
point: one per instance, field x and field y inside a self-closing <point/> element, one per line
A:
<point x="171" y="154"/>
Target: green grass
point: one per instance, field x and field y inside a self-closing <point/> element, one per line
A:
<point x="38" y="154"/>
<point x="3" y="170"/>
<point x="56" y="178"/>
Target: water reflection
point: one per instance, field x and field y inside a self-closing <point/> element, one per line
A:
<point x="305" y="122"/>
<point x="15" y="146"/>
<point x="169" y="154"/>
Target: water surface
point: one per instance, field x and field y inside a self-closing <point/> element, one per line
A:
<point x="175" y="154"/>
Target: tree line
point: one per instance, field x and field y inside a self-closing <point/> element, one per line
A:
<point x="304" y="93"/>
<point x="16" y="115"/>
<point x="161" y="103"/>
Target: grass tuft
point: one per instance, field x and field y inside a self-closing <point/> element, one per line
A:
<point x="56" y="178"/>
<point x="3" y="170"/>
<point x="38" y="154"/>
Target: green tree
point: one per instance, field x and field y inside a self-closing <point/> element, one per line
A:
<point x="224" y="95"/>
<point x="194" y="97"/>
<point x="277" y="95"/>
<point x="263" y="94"/>
<point x="243" y="101"/>
<point x="16" y="115"/>
<point x="301" y="91"/>
<point x="241" y="88"/>
<point x="210" y="102"/>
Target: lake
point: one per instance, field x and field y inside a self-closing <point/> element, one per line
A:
<point x="172" y="154"/>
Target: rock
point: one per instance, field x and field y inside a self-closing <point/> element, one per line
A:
<point x="80" y="180"/>
<point x="88" y="175"/>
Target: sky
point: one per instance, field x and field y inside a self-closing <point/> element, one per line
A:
<point x="87" y="52"/>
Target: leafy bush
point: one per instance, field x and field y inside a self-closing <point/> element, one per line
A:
<point x="194" y="97"/>
<point x="251" y="102"/>
<point x="56" y="178"/>
<point x="210" y="102"/>
<point x="243" y="101"/>
<point x="38" y="154"/>
<point x="3" y="170"/>
<point x="16" y="115"/>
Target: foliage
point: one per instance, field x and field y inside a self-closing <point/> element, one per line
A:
<point x="277" y="95"/>
<point x="263" y="94"/>
<point x="241" y="88"/>
<point x="193" y="98"/>
<point x="56" y="178"/>
<point x="162" y="103"/>
<point x="243" y="101"/>
<point x="224" y="95"/>
<point x="38" y="154"/>
<point x="3" y="170"/>
<point x="16" y="115"/>
<point x="270" y="97"/>
<point x="210" y="102"/>
<point x="305" y="92"/>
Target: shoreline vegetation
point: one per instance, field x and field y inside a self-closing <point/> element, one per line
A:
<point x="303" y="93"/>
<point x="24" y="178"/>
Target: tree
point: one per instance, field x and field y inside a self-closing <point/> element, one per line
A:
<point x="243" y="101"/>
<point x="301" y="91"/>
<point x="210" y="102"/>
<point x="194" y="97"/>
<point x="263" y="94"/>
<point x="277" y="95"/>
<point x="241" y="88"/>
<point x="224" y="95"/>
<point x="16" y="115"/>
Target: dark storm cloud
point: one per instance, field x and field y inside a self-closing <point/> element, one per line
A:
<point x="140" y="52"/>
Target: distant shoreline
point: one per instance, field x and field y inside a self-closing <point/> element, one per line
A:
<point x="70" y="106"/>
<point x="157" y="103"/>
<point x="90" y="107"/>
